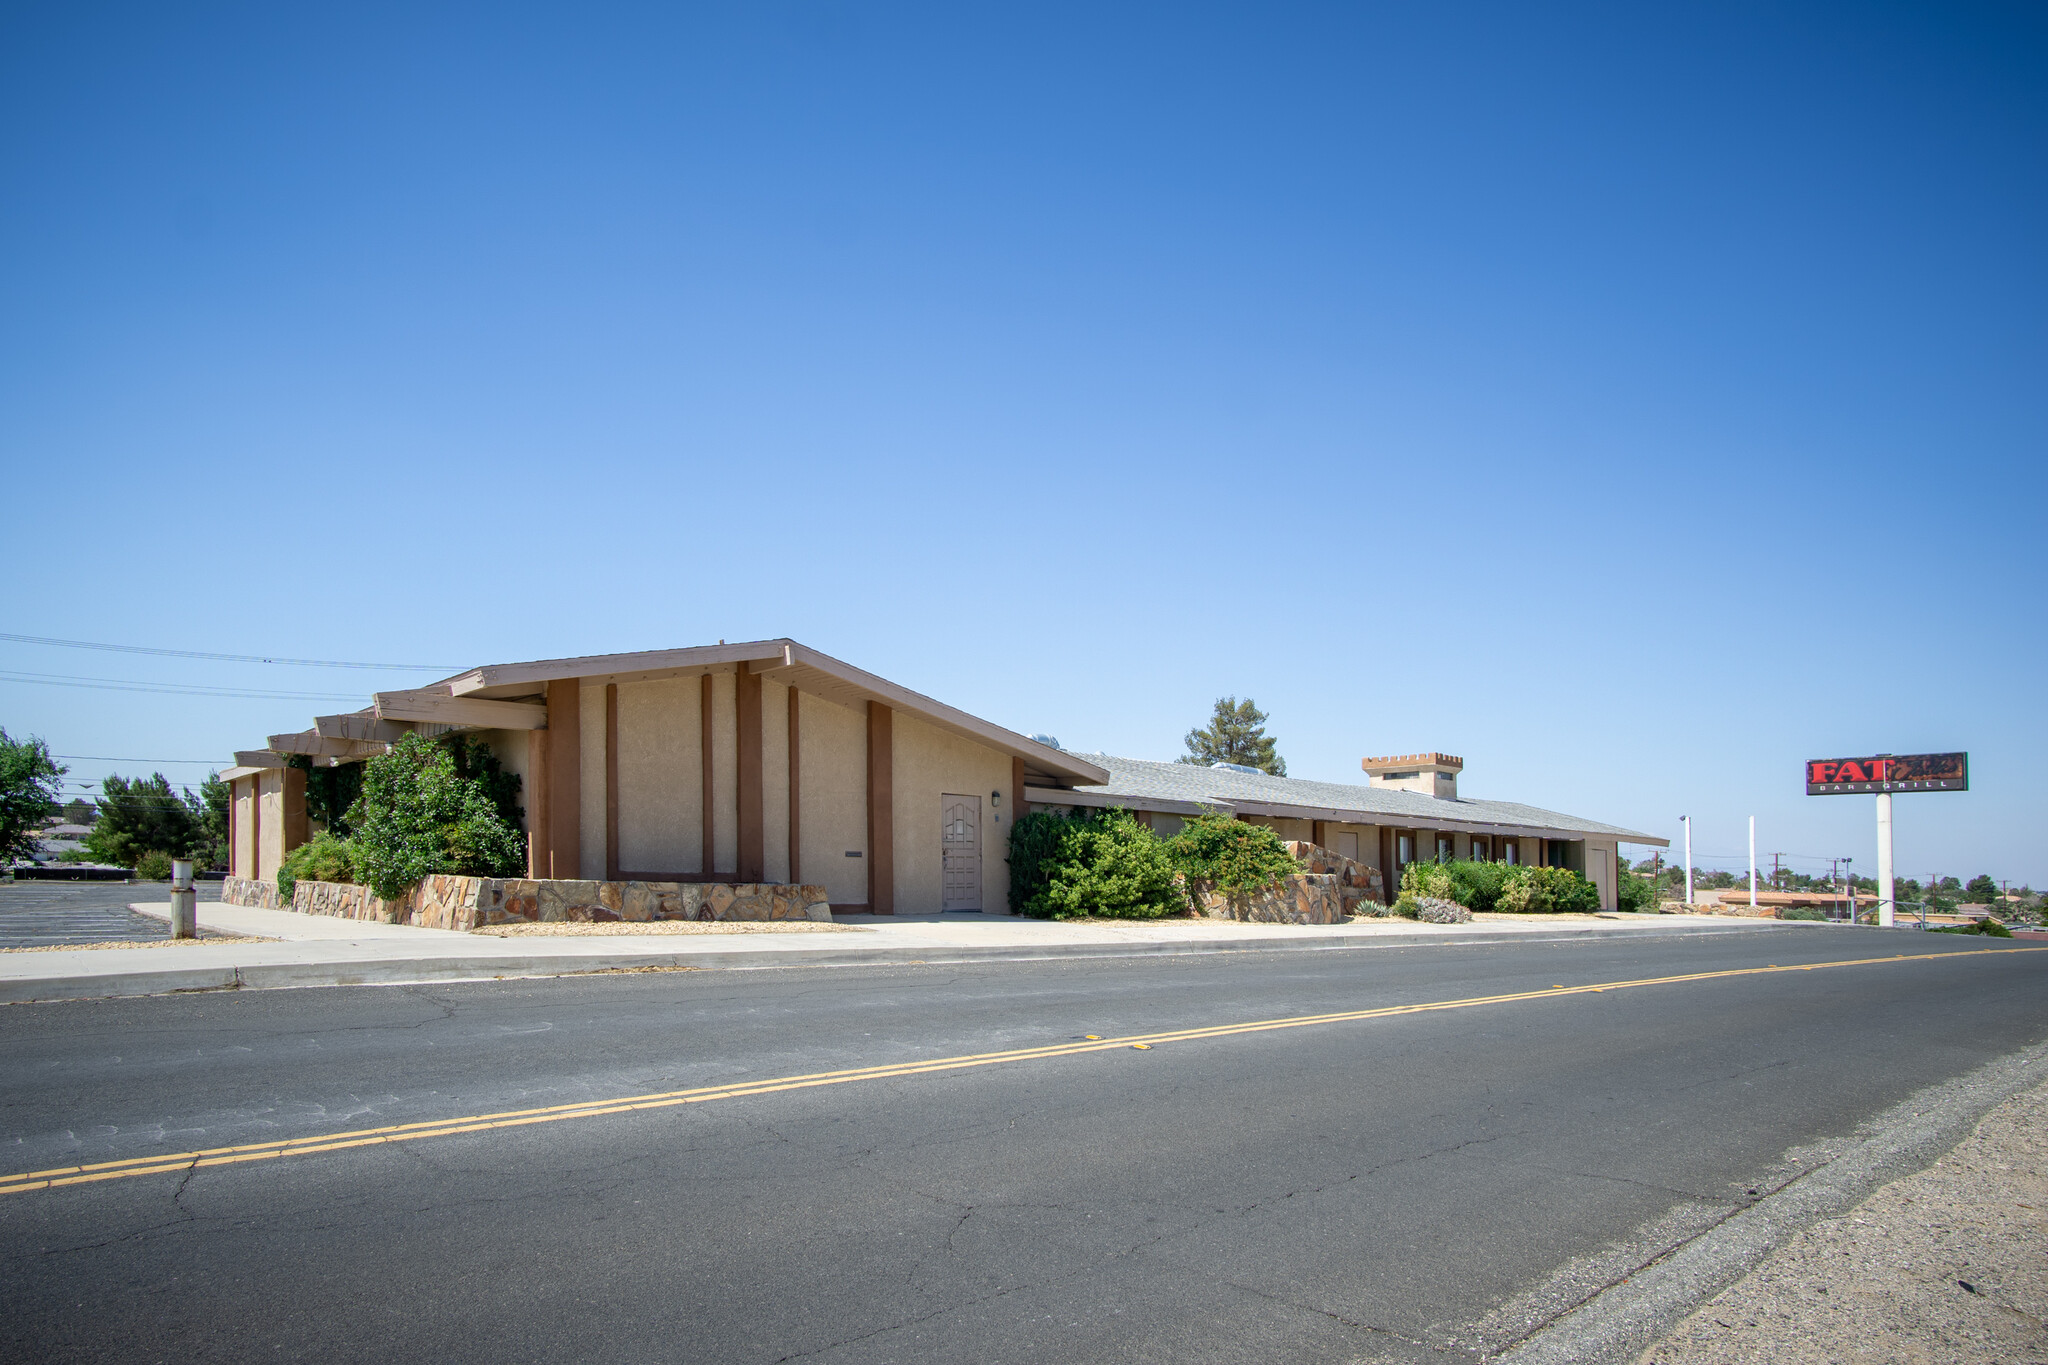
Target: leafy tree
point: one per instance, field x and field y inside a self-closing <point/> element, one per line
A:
<point x="330" y="792"/>
<point x="30" y="783"/>
<point x="1633" y="892"/>
<point x="145" y="816"/>
<point x="1236" y="734"/>
<point x="214" y="800"/>
<point x="1981" y="890"/>
<point x="80" y="812"/>
<point x="420" y="814"/>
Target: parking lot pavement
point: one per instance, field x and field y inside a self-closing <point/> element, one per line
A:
<point x="47" y="914"/>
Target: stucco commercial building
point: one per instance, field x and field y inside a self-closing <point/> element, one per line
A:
<point x="769" y="762"/>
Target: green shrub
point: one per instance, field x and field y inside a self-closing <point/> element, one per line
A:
<point x="421" y="813"/>
<point x="1634" y="893"/>
<point x="154" y="866"/>
<point x="1090" y="863"/>
<point x="325" y="859"/>
<point x="1802" y="912"/>
<point x="1989" y="927"/>
<point x="1546" y="890"/>
<point x="1428" y="879"/>
<point x="1233" y="857"/>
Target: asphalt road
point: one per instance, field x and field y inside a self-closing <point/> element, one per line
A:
<point x="1364" y="1189"/>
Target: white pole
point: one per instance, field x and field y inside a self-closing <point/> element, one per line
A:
<point x="1885" y="904"/>
<point x="1752" y="862"/>
<point x="1688" y="858"/>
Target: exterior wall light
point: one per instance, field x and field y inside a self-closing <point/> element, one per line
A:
<point x="995" y="799"/>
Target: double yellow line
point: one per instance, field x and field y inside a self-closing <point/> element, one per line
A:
<point x="519" y="1118"/>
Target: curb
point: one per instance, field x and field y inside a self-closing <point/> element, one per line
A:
<point x="395" y="971"/>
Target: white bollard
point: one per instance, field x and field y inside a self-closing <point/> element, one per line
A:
<point x="184" y="901"/>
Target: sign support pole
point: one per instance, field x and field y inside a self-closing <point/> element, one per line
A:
<point x="1688" y="860"/>
<point x="1752" y="862"/>
<point x="1885" y="901"/>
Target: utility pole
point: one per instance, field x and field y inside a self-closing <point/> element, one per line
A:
<point x="1849" y="879"/>
<point x="1688" y="858"/>
<point x="1752" y="862"/>
<point x="1774" y="872"/>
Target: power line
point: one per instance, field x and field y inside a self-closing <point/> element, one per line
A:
<point x="102" y="758"/>
<point x="223" y="658"/>
<point x="175" y="689"/>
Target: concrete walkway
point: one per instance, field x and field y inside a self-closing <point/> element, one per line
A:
<point x="317" y="950"/>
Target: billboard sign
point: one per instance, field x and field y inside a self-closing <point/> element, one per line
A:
<point x="1888" y="773"/>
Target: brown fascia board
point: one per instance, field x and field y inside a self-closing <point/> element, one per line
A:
<point x="1425" y="820"/>
<point x="1063" y="796"/>
<point x="1284" y="811"/>
<point x="796" y="664"/>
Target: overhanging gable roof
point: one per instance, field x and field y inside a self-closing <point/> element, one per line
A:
<point x="1146" y="785"/>
<point x="784" y="661"/>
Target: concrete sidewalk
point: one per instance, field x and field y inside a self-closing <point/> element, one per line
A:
<point x="316" y="950"/>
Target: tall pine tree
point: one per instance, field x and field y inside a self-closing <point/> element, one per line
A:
<point x="1236" y="734"/>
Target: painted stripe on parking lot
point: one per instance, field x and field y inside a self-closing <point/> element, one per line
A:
<point x="59" y="1176"/>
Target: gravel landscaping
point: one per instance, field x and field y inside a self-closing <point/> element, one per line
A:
<point x="621" y="929"/>
<point x="1946" y="1265"/>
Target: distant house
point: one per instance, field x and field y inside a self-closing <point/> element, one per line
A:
<point x="771" y="762"/>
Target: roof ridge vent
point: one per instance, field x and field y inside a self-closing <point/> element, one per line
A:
<point x="1240" y="768"/>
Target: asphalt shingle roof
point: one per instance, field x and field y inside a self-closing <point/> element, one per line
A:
<point x="1141" y="780"/>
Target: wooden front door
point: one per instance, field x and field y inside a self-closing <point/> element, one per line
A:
<point x="960" y="840"/>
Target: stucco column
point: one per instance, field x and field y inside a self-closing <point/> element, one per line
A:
<point x="753" y="825"/>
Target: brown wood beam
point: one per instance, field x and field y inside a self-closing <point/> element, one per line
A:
<point x="753" y="828"/>
<point x="565" y="777"/>
<point x="881" y="859"/>
<point x="537" y="804"/>
<point x="709" y="862"/>
<point x="256" y="827"/>
<point x="611" y="782"/>
<point x="796" y="843"/>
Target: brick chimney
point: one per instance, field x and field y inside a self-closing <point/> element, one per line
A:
<point x="1431" y="774"/>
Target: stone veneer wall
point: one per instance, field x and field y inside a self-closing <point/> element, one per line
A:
<point x="465" y="903"/>
<point x="1327" y="890"/>
<point x="1356" y="881"/>
<point x="1303" y="898"/>
<point x="247" y="891"/>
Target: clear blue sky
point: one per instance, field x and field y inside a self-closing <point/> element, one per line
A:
<point x="1637" y="400"/>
